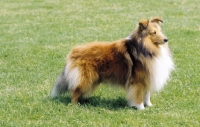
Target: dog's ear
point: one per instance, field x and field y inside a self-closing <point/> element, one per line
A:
<point x="157" y="20"/>
<point x="143" y="24"/>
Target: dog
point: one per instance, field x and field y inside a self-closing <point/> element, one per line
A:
<point x="140" y="63"/>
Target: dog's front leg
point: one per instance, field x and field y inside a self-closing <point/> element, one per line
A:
<point x="147" y="101"/>
<point x="135" y="96"/>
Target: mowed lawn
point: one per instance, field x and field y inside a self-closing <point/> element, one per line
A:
<point x="36" y="35"/>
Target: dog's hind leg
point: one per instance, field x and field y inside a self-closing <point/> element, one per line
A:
<point x="82" y="91"/>
<point x="87" y="84"/>
<point x="76" y="94"/>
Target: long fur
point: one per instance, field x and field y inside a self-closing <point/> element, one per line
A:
<point x="141" y="63"/>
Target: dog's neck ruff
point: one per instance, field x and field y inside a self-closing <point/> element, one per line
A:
<point x="160" y="69"/>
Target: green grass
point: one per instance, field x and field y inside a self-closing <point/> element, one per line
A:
<point x="36" y="35"/>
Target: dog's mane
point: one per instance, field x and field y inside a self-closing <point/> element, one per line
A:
<point x="135" y="45"/>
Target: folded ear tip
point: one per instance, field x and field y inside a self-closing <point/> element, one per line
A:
<point x="157" y="19"/>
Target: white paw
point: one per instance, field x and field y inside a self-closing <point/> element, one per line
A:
<point x="148" y="104"/>
<point x="140" y="106"/>
<point x="137" y="106"/>
<point x="147" y="101"/>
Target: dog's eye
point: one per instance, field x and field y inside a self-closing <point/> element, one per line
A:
<point x="153" y="32"/>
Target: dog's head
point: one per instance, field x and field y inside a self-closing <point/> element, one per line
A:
<point x="151" y="29"/>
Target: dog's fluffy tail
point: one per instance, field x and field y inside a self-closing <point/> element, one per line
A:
<point x="60" y="85"/>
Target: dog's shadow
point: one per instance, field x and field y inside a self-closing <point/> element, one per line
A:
<point x="96" y="101"/>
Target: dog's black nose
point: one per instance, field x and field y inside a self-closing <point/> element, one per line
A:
<point x="166" y="40"/>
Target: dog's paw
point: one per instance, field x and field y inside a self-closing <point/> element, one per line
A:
<point x="136" y="106"/>
<point x="148" y="104"/>
<point x="139" y="107"/>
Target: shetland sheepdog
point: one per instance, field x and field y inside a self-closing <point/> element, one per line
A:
<point x="140" y="63"/>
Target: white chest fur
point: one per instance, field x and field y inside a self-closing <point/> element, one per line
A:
<point x="160" y="69"/>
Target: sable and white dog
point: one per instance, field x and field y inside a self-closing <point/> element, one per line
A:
<point x="140" y="63"/>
